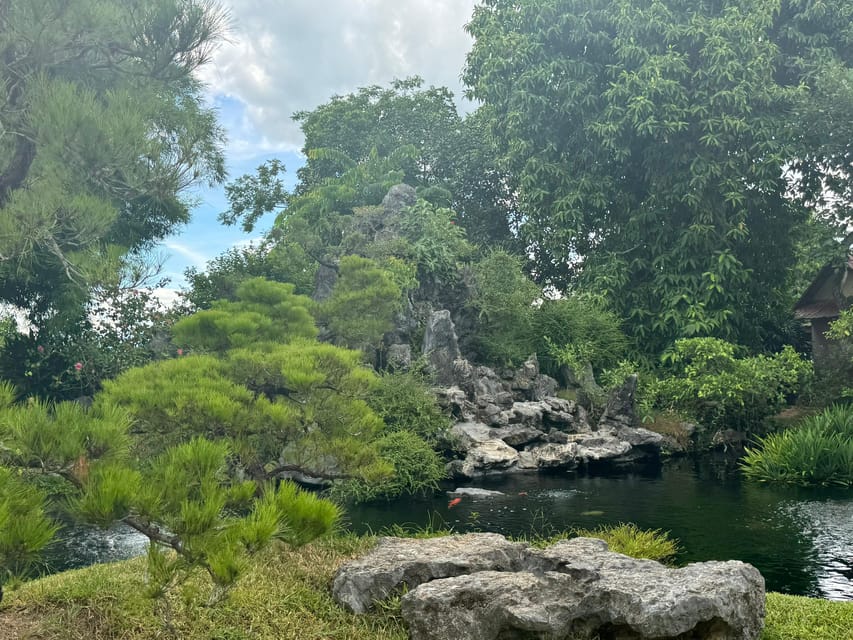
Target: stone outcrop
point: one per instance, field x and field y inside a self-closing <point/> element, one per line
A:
<point x="572" y="589"/>
<point x="441" y="347"/>
<point x="505" y="423"/>
<point x="398" y="563"/>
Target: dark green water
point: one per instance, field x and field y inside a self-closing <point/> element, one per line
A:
<point x="800" y="540"/>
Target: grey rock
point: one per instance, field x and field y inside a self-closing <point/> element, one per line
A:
<point x="555" y="456"/>
<point x="441" y="346"/>
<point x="399" y="357"/>
<point x="324" y="282"/>
<point x="469" y="434"/>
<point x="527" y="413"/>
<point x="599" y="446"/>
<point x="395" y="564"/>
<point x="398" y="198"/>
<point x="620" y="410"/>
<point x="475" y="492"/>
<point x="542" y="387"/>
<point x="639" y="437"/>
<point x="491" y="455"/>
<point x="518" y="435"/>
<point x="578" y="589"/>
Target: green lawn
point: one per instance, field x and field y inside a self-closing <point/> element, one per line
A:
<point x="284" y="595"/>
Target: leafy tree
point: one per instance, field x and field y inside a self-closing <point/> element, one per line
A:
<point x="453" y="163"/>
<point x="122" y="328"/>
<point x="377" y="120"/>
<point x="280" y="262"/>
<point x="649" y="139"/>
<point x="503" y="299"/>
<point x="103" y="126"/>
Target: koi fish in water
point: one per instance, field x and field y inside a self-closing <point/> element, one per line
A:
<point x="453" y="502"/>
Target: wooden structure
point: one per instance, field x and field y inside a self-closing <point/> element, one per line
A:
<point x="831" y="291"/>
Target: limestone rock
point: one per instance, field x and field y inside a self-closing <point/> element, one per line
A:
<point x="578" y="589"/>
<point x="466" y="435"/>
<point x="398" y="198"/>
<point x="396" y="563"/>
<point x="399" y="357"/>
<point x="441" y="346"/>
<point x="620" y="410"/>
<point x="486" y="458"/>
<point x="475" y="492"/>
<point x="555" y="456"/>
<point x="599" y="446"/>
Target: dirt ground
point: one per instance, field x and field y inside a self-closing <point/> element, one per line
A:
<point x="16" y="625"/>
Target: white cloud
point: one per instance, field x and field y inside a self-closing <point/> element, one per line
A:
<point x="195" y="257"/>
<point x="288" y="56"/>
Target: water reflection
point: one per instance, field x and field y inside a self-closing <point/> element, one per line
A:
<point x="801" y="541"/>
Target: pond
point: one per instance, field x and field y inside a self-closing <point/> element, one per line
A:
<point x="801" y="540"/>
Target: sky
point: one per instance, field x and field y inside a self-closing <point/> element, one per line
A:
<point x="292" y="55"/>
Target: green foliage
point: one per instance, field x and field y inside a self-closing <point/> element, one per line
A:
<point x="121" y="328"/>
<point x="819" y="451"/>
<point x="56" y="438"/>
<point x="25" y="527"/>
<point x="503" y="299"/>
<point x="283" y="262"/>
<point x="263" y="312"/>
<point x="417" y="469"/>
<point x="104" y="115"/>
<point x="576" y="331"/>
<point x="363" y="303"/>
<point x="649" y="141"/>
<point x="710" y="384"/>
<point x="405" y="402"/>
<point x="630" y="540"/>
<point x="437" y="243"/>
<point x="251" y="197"/>
<point x="173" y="400"/>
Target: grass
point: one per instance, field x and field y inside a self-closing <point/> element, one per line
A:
<point x="285" y="595"/>
<point x="817" y="452"/>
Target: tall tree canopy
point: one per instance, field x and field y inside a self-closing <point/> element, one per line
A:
<point x="452" y="153"/>
<point x="649" y="140"/>
<point x="102" y="125"/>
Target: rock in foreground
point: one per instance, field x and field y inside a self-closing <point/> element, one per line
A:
<point x="398" y="563"/>
<point x="574" y="589"/>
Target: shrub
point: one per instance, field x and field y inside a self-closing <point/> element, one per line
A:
<point x="713" y="386"/>
<point x="437" y="243"/>
<point x="575" y="331"/>
<point x="818" y="452"/>
<point x="503" y="299"/>
<point x="405" y="402"/>
<point x="417" y="469"/>
<point x="362" y="305"/>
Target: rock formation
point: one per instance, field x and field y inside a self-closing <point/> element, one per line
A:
<point x="483" y="587"/>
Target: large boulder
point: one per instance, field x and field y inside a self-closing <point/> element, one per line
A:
<point x="620" y="410"/>
<point x="441" y="347"/>
<point x="485" y="458"/>
<point x="396" y="564"/>
<point x="578" y="589"/>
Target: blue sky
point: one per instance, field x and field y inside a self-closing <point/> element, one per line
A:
<point x="282" y="57"/>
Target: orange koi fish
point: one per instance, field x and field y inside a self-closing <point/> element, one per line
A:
<point x="453" y="502"/>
